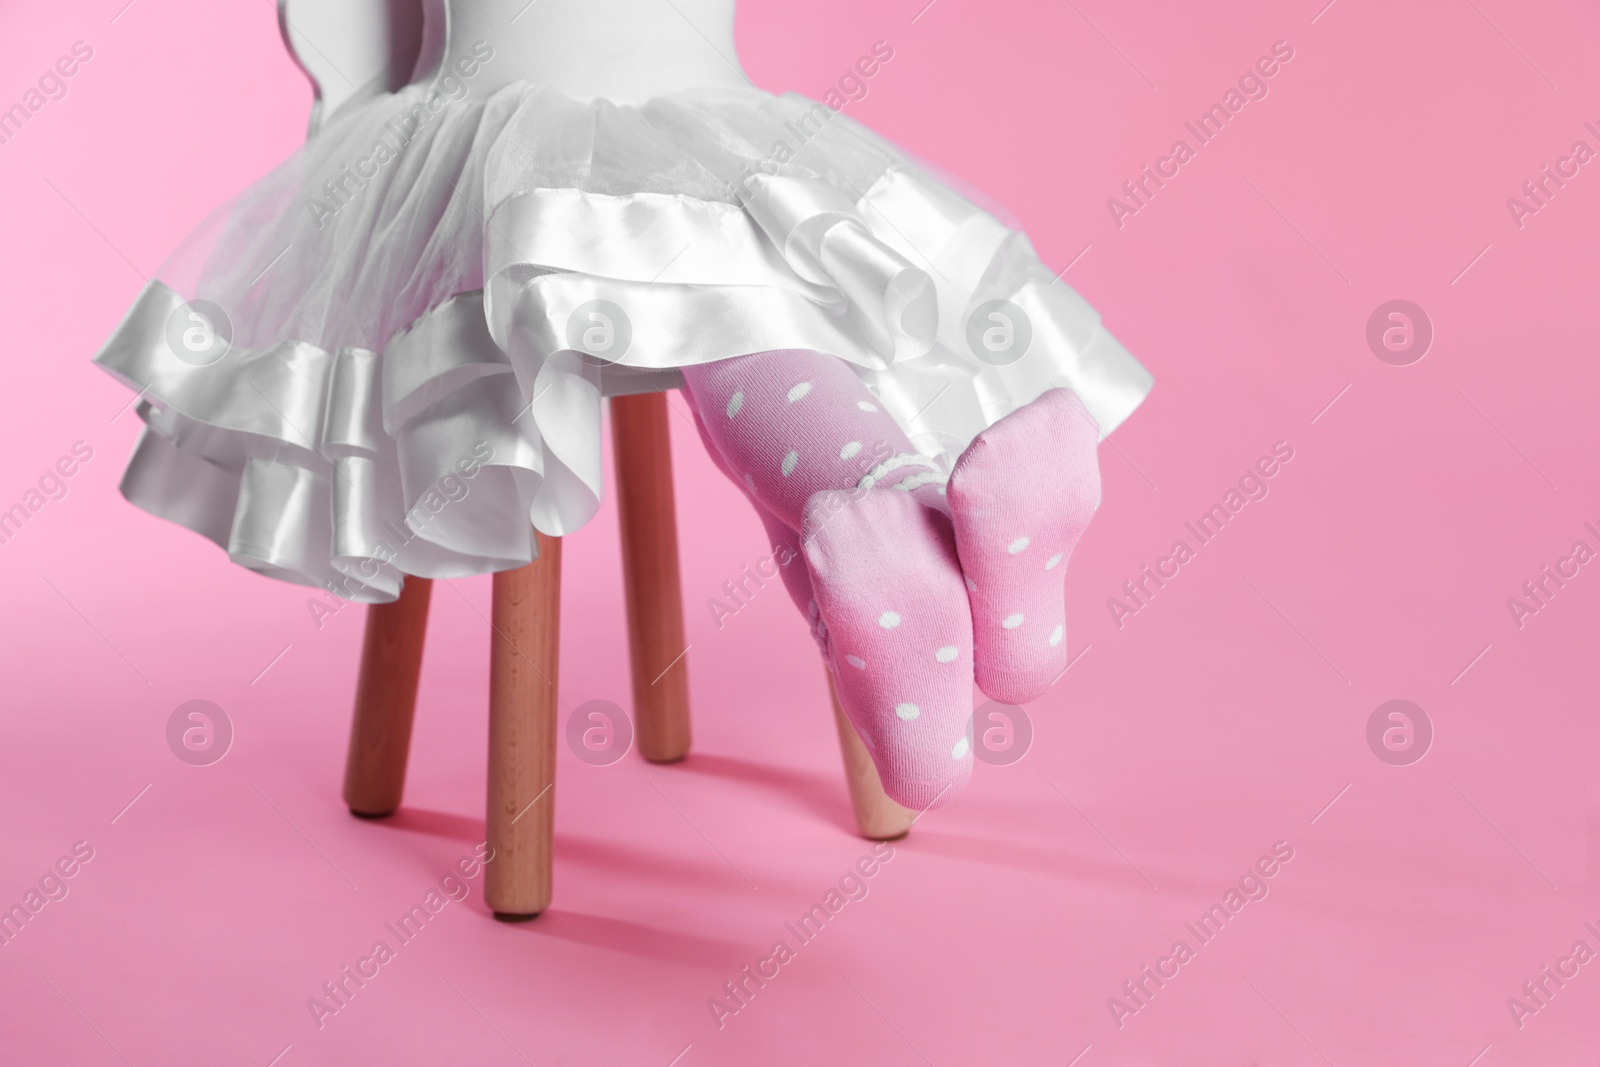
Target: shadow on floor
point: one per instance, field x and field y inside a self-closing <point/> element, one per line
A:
<point x="636" y="939"/>
<point x="825" y="796"/>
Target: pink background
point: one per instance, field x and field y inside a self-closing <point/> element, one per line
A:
<point x="1221" y="719"/>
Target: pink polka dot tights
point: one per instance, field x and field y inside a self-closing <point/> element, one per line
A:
<point x="915" y="585"/>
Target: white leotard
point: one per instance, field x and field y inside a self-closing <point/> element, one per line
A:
<point x="626" y="51"/>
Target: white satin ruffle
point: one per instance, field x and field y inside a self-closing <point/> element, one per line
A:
<point x="381" y="407"/>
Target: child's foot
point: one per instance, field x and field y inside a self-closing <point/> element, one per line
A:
<point x="899" y="635"/>
<point x="1020" y="497"/>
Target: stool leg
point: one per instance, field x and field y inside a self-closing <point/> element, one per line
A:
<point x="877" y="817"/>
<point x="522" y="734"/>
<point x="386" y="698"/>
<point x="656" y="643"/>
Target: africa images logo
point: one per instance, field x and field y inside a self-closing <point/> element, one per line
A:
<point x="51" y="86"/>
<point x="1252" y="85"/>
<point x="346" y="184"/>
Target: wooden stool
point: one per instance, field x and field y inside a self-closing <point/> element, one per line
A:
<point x="523" y="686"/>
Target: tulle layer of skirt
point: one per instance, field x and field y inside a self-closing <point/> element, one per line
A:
<point x="389" y="356"/>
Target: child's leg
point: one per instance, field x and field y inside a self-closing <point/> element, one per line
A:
<point x="1020" y="497"/>
<point x="788" y="425"/>
<point x="785" y="425"/>
<point x="898" y="635"/>
<point x="786" y="549"/>
<point x="879" y="579"/>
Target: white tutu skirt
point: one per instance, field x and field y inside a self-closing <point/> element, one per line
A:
<point x="388" y="357"/>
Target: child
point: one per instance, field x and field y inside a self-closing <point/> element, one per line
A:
<point x="387" y="357"/>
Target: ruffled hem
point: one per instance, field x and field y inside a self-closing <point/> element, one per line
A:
<point x="436" y="451"/>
